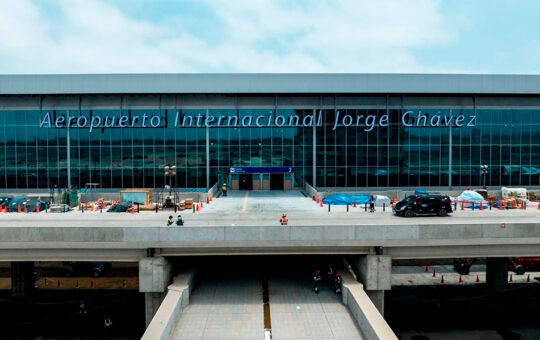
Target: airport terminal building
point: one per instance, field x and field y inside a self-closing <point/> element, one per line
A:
<point x="269" y="131"/>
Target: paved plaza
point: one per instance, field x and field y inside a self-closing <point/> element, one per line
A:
<point x="264" y="208"/>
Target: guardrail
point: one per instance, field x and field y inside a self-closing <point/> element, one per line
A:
<point x="164" y="322"/>
<point x="311" y="191"/>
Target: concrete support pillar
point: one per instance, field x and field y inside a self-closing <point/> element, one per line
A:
<point x="155" y="274"/>
<point x="152" y="301"/>
<point x="375" y="272"/>
<point x="496" y="273"/>
<point x="22" y="279"/>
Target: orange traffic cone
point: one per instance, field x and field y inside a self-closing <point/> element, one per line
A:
<point x="91" y="207"/>
<point x="19" y="208"/>
<point x="354" y="203"/>
<point x="79" y="205"/>
<point x="320" y="204"/>
<point x="538" y="206"/>
<point x="37" y="208"/>
<point x="460" y="279"/>
<point x="211" y="197"/>
<point x="477" y="279"/>
<point x="511" y="278"/>
<point x="132" y="208"/>
<point x="207" y="200"/>
<point x="201" y="203"/>
<point x="427" y="269"/>
<point x="197" y="208"/>
<point x="433" y="272"/>
<point x="313" y="197"/>
<point x="25" y="208"/>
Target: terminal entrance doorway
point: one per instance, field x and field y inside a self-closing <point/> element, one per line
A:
<point x="245" y="182"/>
<point x="276" y="182"/>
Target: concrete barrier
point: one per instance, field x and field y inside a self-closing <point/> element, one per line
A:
<point x="369" y="320"/>
<point x="164" y="322"/>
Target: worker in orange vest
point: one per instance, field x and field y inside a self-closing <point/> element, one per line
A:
<point x="284" y="220"/>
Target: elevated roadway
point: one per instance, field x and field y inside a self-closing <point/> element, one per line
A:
<point x="248" y="223"/>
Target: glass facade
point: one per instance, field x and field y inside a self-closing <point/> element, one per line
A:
<point x="506" y="139"/>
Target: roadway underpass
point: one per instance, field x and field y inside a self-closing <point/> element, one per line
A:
<point x="227" y="303"/>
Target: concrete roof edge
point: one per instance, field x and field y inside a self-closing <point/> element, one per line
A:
<point x="253" y="83"/>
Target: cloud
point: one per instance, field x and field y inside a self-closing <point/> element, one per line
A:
<point x="246" y="36"/>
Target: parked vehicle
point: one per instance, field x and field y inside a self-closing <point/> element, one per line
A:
<point x="520" y="265"/>
<point x="424" y="204"/>
<point x="13" y="204"/>
<point x="94" y="269"/>
<point x="463" y="266"/>
<point x="33" y="203"/>
<point x="4" y="201"/>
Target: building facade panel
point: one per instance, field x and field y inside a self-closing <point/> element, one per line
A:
<point x="328" y="139"/>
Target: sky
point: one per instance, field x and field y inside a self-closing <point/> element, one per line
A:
<point x="207" y="36"/>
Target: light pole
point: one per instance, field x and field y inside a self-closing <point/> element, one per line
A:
<point x="170" y="171"/>
<point x="484" y="171"/>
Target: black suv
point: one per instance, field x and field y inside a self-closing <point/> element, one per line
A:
<point x="424" y="204"/>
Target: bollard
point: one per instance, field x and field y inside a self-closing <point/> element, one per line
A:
<point x="157" y="208"/>
<point x="472" y="206"/>
<point x="524" y="205"/>
<point x="138" y="208"/>
<point x="365" y="207"/>
<point x="507" y="205"/>
<point x="82" y="209"/>
<point x="455" y="205"/>
<point x="490" y="205"/>
<point x="347" y="207"/>
<point x="175" y="207"/>
<point x="193" y="208"/>
<point x="462" y="205"/>
<point x="383" y="207"/>
<point x="329" y="207"/>
<point x="101" y="209"/>
<point x="64" y="208"/>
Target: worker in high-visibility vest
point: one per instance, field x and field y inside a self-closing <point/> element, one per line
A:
<point x="224" y="189"/>
<point x="284" y="220"/>
<point x="170" y="222"/>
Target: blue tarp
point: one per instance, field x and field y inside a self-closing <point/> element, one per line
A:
<point x="342" y="199"/>
<point x="420" y="192"/>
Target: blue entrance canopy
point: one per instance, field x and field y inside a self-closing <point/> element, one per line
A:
<point x="262" y="170"/>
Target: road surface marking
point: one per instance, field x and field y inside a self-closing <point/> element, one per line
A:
<point x="244" y="207"/>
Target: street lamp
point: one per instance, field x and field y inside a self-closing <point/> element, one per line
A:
<point x="484" y="171"/>
<point x="170" y="171"/>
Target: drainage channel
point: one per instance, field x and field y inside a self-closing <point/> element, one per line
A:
<point x="266" y="310"/>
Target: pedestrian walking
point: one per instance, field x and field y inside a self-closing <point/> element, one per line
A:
<point x="224" y="189"/>
<point x="316" y="280"/>
<point x="371" y="203"/>
<point x="170" y="222"/>
<point x="338" y="280"/>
